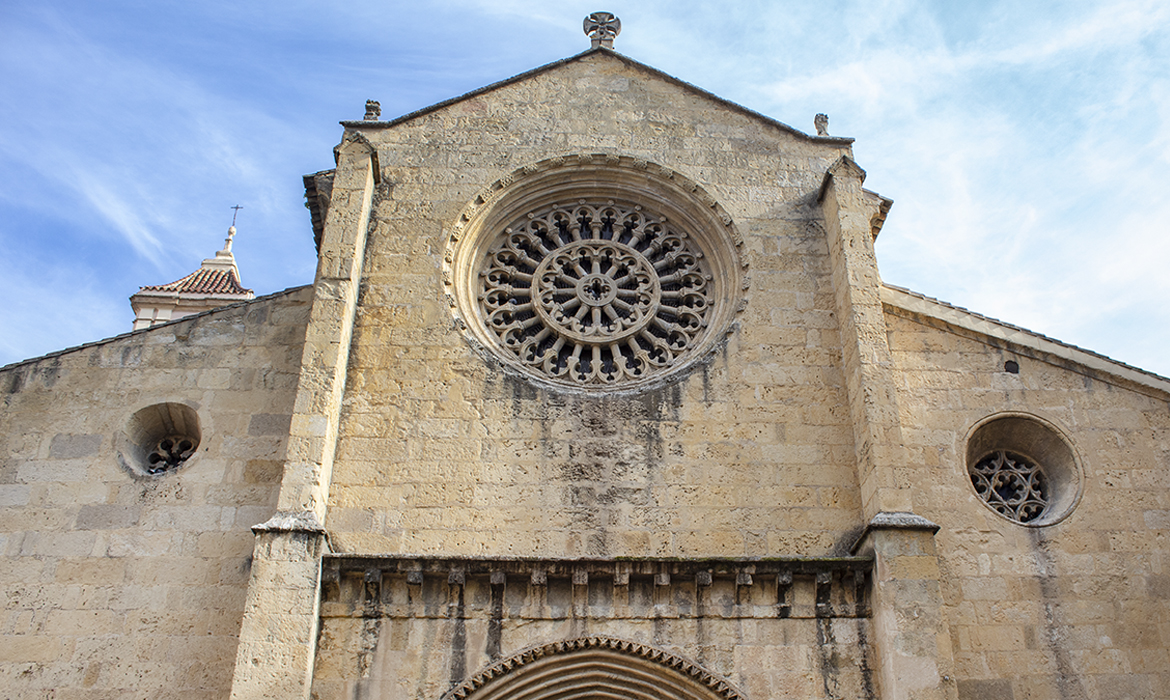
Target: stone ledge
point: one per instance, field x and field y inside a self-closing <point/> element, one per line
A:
<point x="895" y="521"/>
<point x="305" y="521"/>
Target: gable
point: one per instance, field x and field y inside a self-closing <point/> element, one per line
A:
<point x="615" y="134"/>
<point x="557" y="65"/>
<point x="600" y="102"/>
<point x="1019" y="341"/>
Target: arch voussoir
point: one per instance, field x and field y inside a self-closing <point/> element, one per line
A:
<point x="594" y="666"/>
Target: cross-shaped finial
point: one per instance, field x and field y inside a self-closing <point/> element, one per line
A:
<point x="601" y="28"/>
<point x="234" y="213"/>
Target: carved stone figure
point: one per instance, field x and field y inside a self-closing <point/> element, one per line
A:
<point x="821" y="122"/>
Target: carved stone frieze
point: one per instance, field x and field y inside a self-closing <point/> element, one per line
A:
<point x="804" y="588"/>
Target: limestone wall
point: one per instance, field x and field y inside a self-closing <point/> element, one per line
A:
<point x="441" y="451"/>
<point x="1077" y="609"/>
<point x="118" y="583"/>
<point x="418" y="628"/>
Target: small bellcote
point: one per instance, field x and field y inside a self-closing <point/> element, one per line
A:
<point x="216" y="283"/>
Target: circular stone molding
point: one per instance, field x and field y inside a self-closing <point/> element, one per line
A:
<point x="1024" y="469"/>
<point x="159" y="439"/>
<point x="595" y="272"/>
<point x="594" y="667"/>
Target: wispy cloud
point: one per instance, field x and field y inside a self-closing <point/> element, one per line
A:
<point x="1027" y="147"/>
<point x="1025" y="161"/>
<point x="56" y="305"/>
<point x="134" y="140"/>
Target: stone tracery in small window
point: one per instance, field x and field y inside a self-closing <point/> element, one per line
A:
<point x="1013" y="485"/>
<point x="1024" y="469"/>
<point x="170" y="453"/>
<point x="159" y="439"/>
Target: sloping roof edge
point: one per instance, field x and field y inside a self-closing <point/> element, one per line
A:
<point x="202" y="281"/>
<point x="977" y="323"/>
<point x="834" y="140"/>
<point x="141" y="331"/>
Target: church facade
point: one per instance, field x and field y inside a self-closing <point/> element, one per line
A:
<point x="597" y="392"/>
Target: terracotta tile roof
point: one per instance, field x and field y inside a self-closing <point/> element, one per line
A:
<point x="203" y="281"/>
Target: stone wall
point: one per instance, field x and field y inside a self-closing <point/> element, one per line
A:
<point x="419" y="628"/>
<point x="706" y="522"/>
<point x="119" y="583"/>
<point x="442" y="451"/>
<point x="1076" y="609"/>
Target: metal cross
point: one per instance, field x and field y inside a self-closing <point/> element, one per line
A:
<point x="234" y="213"/>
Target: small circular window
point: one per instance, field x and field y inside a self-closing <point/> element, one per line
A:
<point x="159" y="439"/>
<point x="1024" y="469"/>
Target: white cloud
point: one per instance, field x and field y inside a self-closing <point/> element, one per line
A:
<point x="58" y="305"/>
<point x="1026" y="147"/>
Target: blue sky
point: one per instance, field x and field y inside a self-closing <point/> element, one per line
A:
<point x="1026" y="145"/>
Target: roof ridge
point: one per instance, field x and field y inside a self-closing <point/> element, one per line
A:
<point x="1159" y="382"/>
<point x="120" y="336"/>
<point x="840" y="140"/>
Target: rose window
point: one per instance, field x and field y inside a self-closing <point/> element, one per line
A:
<point x="595" y="272"/>
<point x="1012" y="485"/>
<point x="595" y="293"/>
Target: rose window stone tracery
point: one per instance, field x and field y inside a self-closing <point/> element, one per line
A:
<point x="1013" y="485"/>
<point x="595" y="273"/>
<point x="595" y="293"/>
<point x="170" y="453"/>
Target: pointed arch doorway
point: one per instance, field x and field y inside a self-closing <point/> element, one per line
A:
<point x="594" y="668"/>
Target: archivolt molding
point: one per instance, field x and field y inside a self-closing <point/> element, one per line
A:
<point x="609" y="340"/>
<point x="560" y="668"/>
<point x="583" y="161"/>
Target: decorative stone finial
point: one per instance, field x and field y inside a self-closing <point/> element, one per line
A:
<point x="373" y="110"/>
<point x="215" y="284"/>
<point x="601" y="28"/>
<point x="821" y="122"/>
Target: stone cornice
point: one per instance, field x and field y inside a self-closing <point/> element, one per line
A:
<point x="762" y="588"/>
<point x="916" y="304"/>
